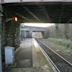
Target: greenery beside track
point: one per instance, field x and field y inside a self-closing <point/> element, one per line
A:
<point x="65" y="44"/>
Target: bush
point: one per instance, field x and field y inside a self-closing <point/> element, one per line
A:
<point x="63" y="42"/>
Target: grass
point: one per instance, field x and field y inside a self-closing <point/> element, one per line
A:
<point x="43" y="62"/>
<point x="41" y="59"/>
<point x="65" y="44"/>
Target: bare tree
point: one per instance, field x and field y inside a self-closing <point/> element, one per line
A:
<point x="66" y="31"/>
<point x="57" y="30"/>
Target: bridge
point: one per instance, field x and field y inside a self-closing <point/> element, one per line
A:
<point x="24" y="30"/>
<point x="21" y="1"/>
<point x="31" y="28"/>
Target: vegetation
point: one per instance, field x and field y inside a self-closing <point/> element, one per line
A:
<point x="63" y="31"/>
<point x="62" y="43"/>
<point x="61" y="35"/>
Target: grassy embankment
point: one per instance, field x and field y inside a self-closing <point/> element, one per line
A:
<point x="64" y="44"/>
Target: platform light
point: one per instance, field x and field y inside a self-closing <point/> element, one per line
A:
<point x="15" y="19"/>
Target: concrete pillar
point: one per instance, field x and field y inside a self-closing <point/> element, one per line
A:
<point x="0" y="40"/>
<point x="45" y="34"/>
<point x="22" y="34"/>
<point x="12" y="34"/>
<point x="0" y="56"/>
<point x="17" y="36"/>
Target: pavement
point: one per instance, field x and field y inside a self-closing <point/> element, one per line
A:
<point x="29" y="58"/>
<point x="23" y="56"/>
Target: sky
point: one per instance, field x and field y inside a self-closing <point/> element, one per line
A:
<point x="38" y="24"/>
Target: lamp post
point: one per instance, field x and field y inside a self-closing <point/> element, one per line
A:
<point x="13" y="18"/>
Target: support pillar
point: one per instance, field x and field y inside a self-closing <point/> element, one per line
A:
<point x="45" y="34"/>
<point x="0" y="40"/>
<point x="17" y="36"/>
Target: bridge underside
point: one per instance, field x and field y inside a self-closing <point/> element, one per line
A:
<point x="51" y="12"/>
<point x="33" y="34"/>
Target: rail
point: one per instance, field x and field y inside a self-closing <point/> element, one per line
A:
<point x="60" y="64"/>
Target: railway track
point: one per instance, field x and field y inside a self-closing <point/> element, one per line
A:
<point x="60" y="63"/>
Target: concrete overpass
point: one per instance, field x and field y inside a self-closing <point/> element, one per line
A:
<point x="30" y="29"/>
<point x="45" y="12"/>
<point x="19" y="1"/>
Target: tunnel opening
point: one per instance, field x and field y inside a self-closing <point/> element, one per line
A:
<point x="36" y="30"/>
<point x="37" y="35"/>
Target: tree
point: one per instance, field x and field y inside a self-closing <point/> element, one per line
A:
<point x="66" y="31"/>
<point x="57" y="30"/>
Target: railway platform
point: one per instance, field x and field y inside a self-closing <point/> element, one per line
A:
<point x="29" y="58"/>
